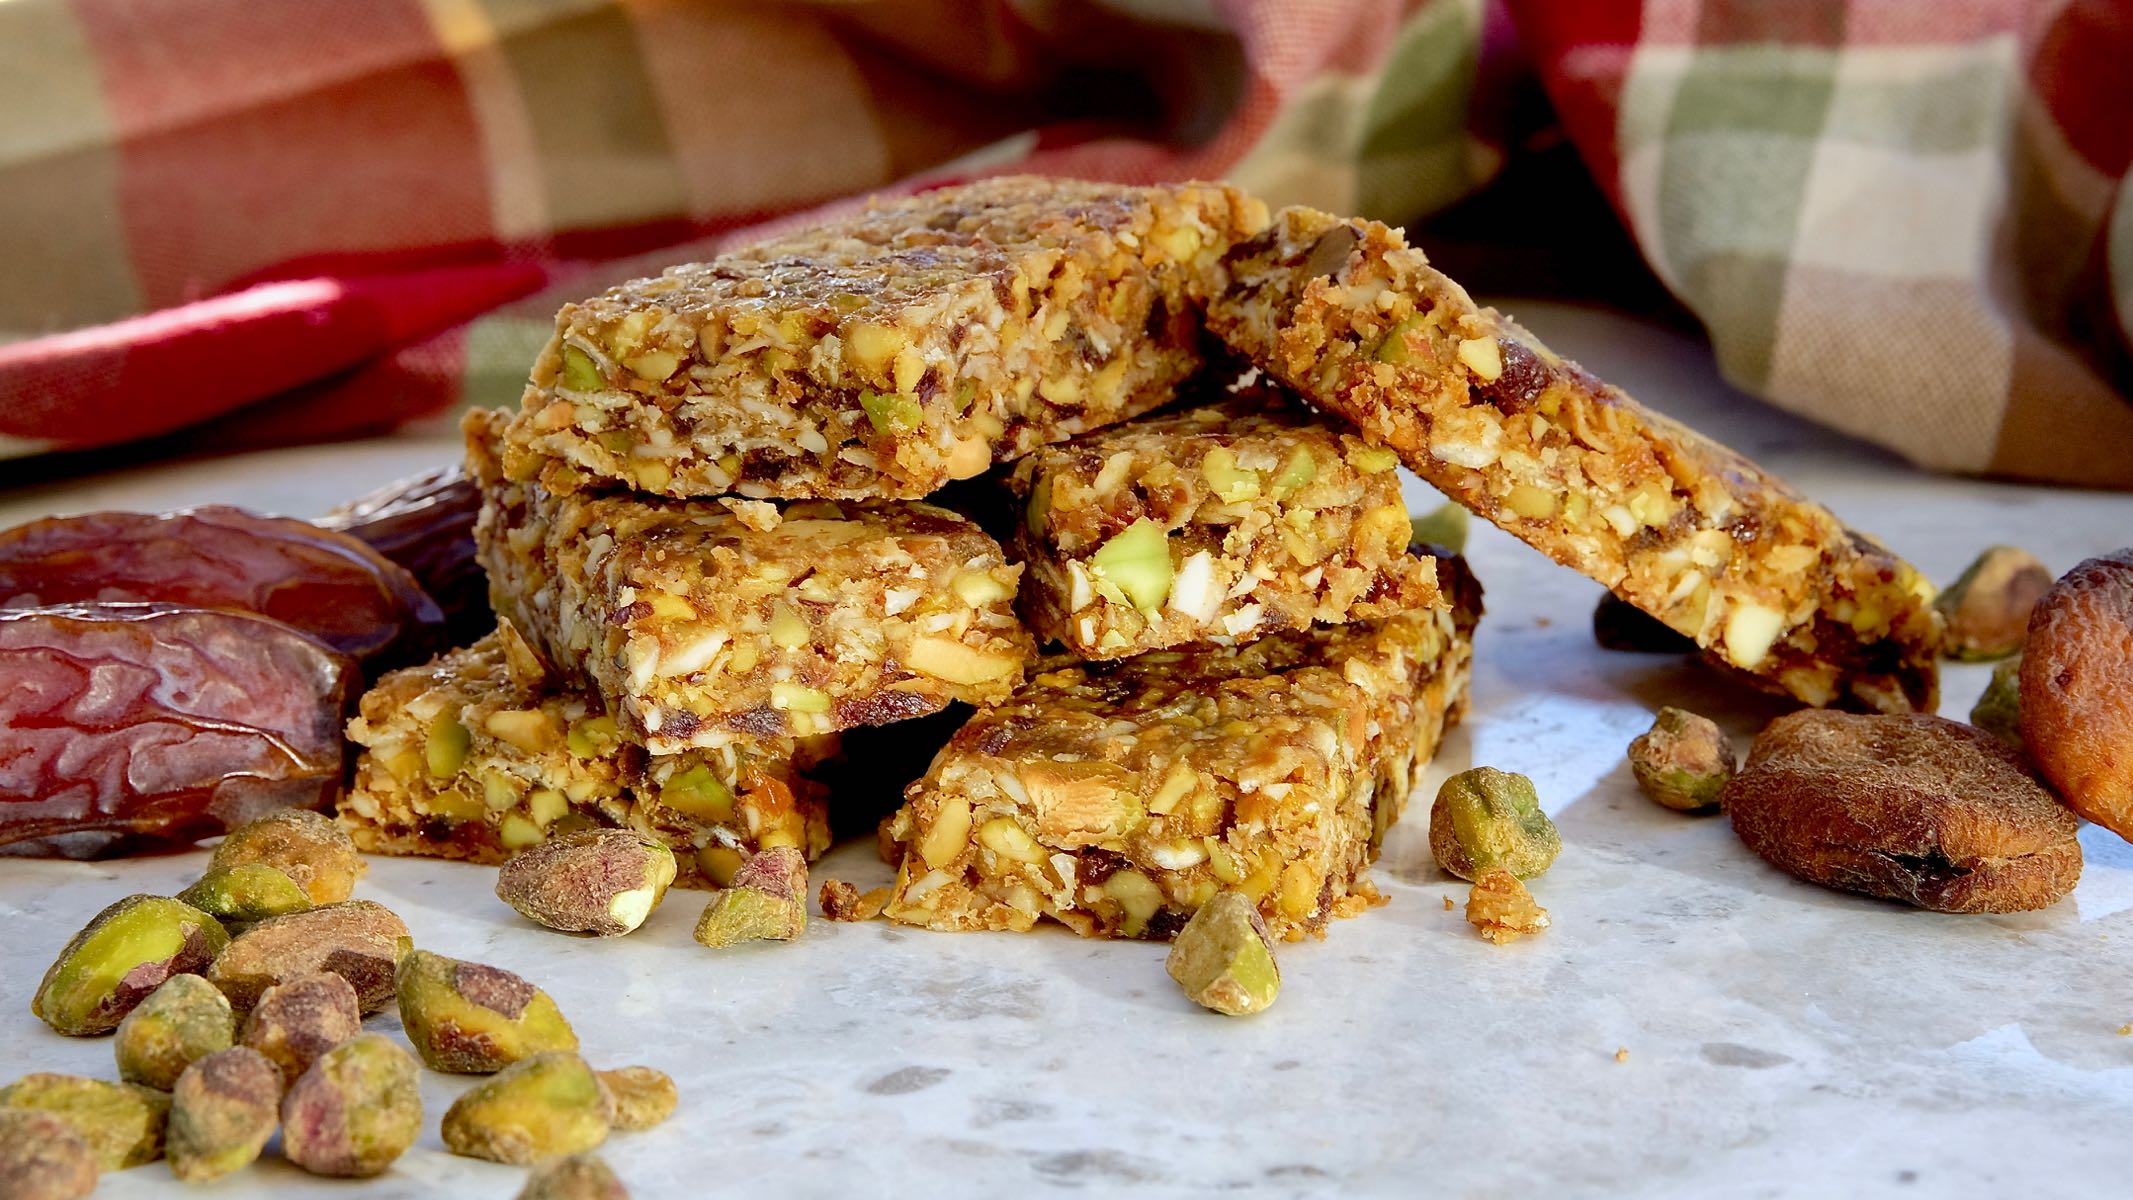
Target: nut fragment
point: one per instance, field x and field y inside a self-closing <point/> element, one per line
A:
<point x="180" y="1022"/>
<point x="295" y="1022"/>
<point x="843" y="902"/>
<point x="121" y="1123"/>
<point x="767" y="900"/>
<point x="638" y="1098"/>
<point x="2077" y="706"/>
<point x="578" y="1177"/>
<point x="599" y="881"/>
<point x="1445" y="526"/>
<point x="1501" y="909"/>
<point x="472" y="1019"/>
<point x="41" y="1158"/>
<point x="1914" y="808"/>
<point x="541" y="1107"/>
<point x="1999" y="710"/>
<point x="1619" y="625"/>
<point x="1137" y="559"/>
<point x="1987" y="607"/>
<point x="1224" y="957"/>
<point x="222" y="1112"/>
<point x="360" y="940"/>
<point x="306" y="846"/>
<point x="248" y="892"/>
<point x="1683" y="761"/>
<point x="1484" y="819"/>
<point x="122" y="954"/>
<point x="357" y="1109"/>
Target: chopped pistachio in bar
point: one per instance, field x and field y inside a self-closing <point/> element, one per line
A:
<point x="883" y="354"/>
<point x="700" y="622"/>
<point x="1765" y="580"/>
<point x="482" y="753"/>
<point x="1217" y="524"/>
<point x="1118" y="797"/>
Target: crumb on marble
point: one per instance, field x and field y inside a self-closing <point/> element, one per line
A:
<point x="1448" y="905"/>
<point x="2125" y="1031"/>
<point x="1621" y="1054"/>
<point x="843" y="902"/>
<point x="1501" y="908"/>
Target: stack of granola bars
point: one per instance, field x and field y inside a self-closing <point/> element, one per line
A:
<point x="1206" y="658"/>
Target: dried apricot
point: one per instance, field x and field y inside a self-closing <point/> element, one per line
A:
<point x="2077" y="689"/>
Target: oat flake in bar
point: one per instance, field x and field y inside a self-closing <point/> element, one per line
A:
<point x="886" y="353"/>
<point x="1764" y="579"/>
<point x="1213" y="525"/>
<point x="701" y="621"/>
<point x="482" y="754"/>
<point x="1118" y="797"/>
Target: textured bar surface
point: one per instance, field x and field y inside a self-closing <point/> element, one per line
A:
<point x="886" y="353"/>
<point x="1213" y="525"/>
<point x="702" y="621"/>
<point x="481" y="754"/>
<point x="1118" y="797"/>
<point x="1764" y="579"/>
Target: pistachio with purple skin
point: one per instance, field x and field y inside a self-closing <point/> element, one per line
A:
<point x="124" y="953"/>
<point x="355" y="1111"/>
<point x="472" y="1019"/>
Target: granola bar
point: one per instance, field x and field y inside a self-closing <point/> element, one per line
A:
<point x="1764" y="580"/>
<point x="1212" y="525"/>
<point x="701" y="622"/>
<point x="482" y="753"/>
<point x="887" y="353"/>
<point x="1118" y="797"/>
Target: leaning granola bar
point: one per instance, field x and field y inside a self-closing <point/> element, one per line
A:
<point x="1216" y="524"/>
<point x="705" y="621"/>
<point x="886" y="353"/>
<point x="1116" y="798"/>
<point x="483" y="753"/>
<point x="1765" y="580"/>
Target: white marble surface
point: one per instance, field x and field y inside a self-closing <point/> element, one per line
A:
<point x="1782" y="1039"/>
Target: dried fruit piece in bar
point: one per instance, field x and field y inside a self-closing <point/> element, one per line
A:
<point x="473" y="757"/>
<point x="121" y="1123"/>
<point x="1224" y="957"/>
<point x="425" y="523"/>
<point x="1914" y="808"/>
<point x="1117" y="798"/>
<point x="144" y="721"/>
<point x="885" y="353"/>
<point x="306" y="846"/>
<point x="355" y="1111"/>
<point x="2077" y="689"/>
<point x="120" y="958"/>
<point x="362" y="941"/>
<point x="703" y="621"/>
<point x="542" y="1107"/>
<point x="1212" y="525"/>
<point x="327" y="584"/>
<point x="604" y="882"/>
<point x="181" y="1022"/>
<point x="222" y="1112"/>
<point x="473" y="1019"/>
<point x="1765" y="580"/>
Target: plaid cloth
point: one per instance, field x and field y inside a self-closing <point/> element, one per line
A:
<point x="1909" y="219"/>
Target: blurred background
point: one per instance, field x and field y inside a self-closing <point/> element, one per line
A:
<point x="227" y="225"/>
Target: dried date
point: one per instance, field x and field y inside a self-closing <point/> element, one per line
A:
<point x="327" y="584"/>
<point x="426" y="524"/>
<point x="132" y="722"/>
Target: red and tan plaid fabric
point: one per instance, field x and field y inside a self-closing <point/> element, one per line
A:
<point x="1909" y="219"/>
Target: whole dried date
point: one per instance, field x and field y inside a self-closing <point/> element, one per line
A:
<point x="327" y="584"/>
<point x="426" y="524"/>
<point x="161" y="722"/>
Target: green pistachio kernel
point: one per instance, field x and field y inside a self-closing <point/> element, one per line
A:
<point x="1224" y="957"/>
<point x="698" y="793"/>
<point x="1138" y="561"/>
<point x="580" y="373"/>
<point x="1486" y="819"/>
<point x="446" y="750"/>
<point x="892" y="413"/>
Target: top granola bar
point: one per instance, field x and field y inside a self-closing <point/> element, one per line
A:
<point x="1765" y="580"/>
<point x="884" y="354"/>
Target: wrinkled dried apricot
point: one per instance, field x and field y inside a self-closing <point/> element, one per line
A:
<point x="1915" y="808"/>
<point x="2077" y="689"/>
